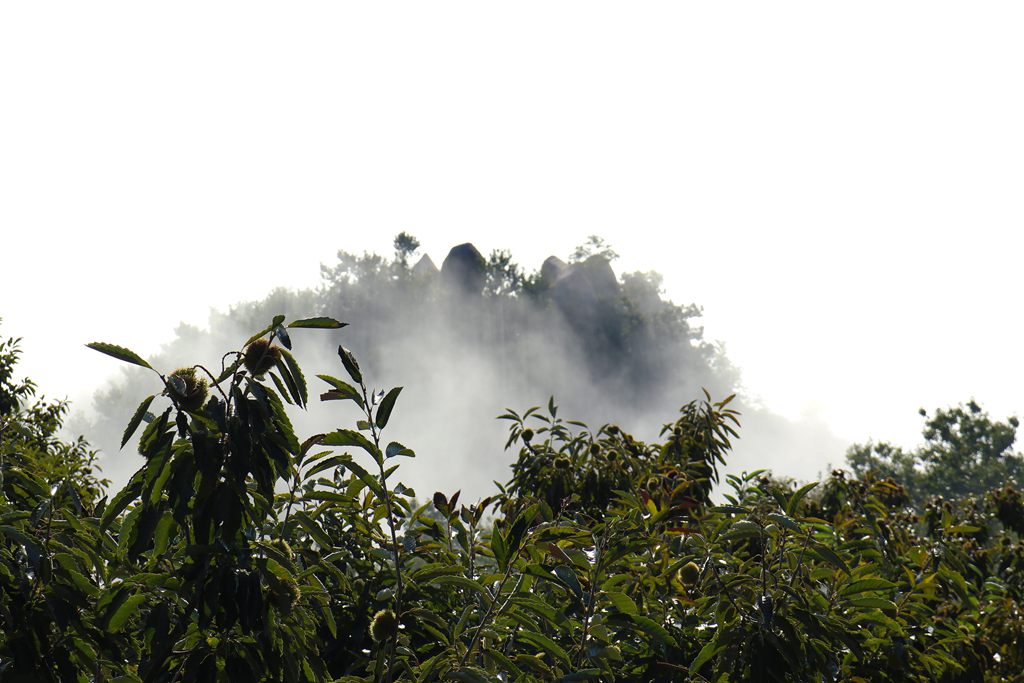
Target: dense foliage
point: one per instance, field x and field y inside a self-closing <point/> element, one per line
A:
<point x="242" y="552"/>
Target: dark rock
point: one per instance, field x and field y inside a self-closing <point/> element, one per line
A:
<point x="552" y="269"/>
<point x="464" y="269"/>
<point x="602" y="277"/>
<point x="587" y="292"/>
<point x="584" y="284"/>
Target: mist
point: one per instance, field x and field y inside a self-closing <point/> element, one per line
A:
<point x="471" y="339"/>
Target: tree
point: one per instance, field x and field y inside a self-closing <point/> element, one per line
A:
<point x="594" y="246"/>
<point x="965" y="452"/>
<point x="502" y="276"/>
<point x="48" y="490"/>
<point x="405" y="246"/>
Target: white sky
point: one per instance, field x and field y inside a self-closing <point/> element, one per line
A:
<point x="838" y="184"/>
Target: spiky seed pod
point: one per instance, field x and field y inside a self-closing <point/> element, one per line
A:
<point x="689" y="573"/>
<point x="283" y="546"/>
<point x="612" y="456"/>
<point x="384" y="626"/>
<point x="260" y="357"/>
<point x="562" y="462"/>
<point x="196" y="389"/>
<point x="595" y="449"/>
<point x="527" y="435"/>
<point x="285" y="594"/>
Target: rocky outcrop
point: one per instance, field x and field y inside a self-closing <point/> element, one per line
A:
<point x="425" y="268"/>
<point x="589" y="296"/>
<point x="464" y="269"/>
<point x="552" y="269"/>
<point x="582" y="288"/>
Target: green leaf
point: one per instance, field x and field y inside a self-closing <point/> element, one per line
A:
<point x="432" y="571"/>
<point x="386" y="406"/>
<point x="743" y="528"/>
<point x="394" y="448"/>
<point x="289" y="381"/>
<point x="326" y="464"/>
<point x="347" y="437"/>
<point x="957" y="578"/>
<point x="569" y="579"/>
<point x="502" y="662"/>
<point x="123" y="498"/>
<point x="544" y="643"/>
<point x="463" y="582"/>
<point x="709" y="650"/>
<point x="319" y="323"/>
<point x="296" y="372"/>
<point x="829" y="555"/>
<point x="785" y="521"/>
<point x="367" y="478"/>
<point x="28" y="542"/>
<point x="120" y="616"/>
<point x="162" y="534"/>
<point x="798" y="496"/>
<point x="330" y="497"/>
<point x="471" y="674"/>
<point x="277" y="569"/>
<point x="499" y="548"/>
<point x="516" y="533"/>
<point x="310" y="442"/>
<point x="864" y="585"/>
<point x="314" y="530"/>
<point x="281" y="389"/>
<point x="653" y="628"/>
<point x="120" y="353"/>
<point x="351" y="366"/>
<point x="282" y="334"/>
<point x="342" y="391"/>
<point x="872" y="602"/>
<point x="86" y="650"/>
<point x="136" y="420"/>
<point x="731" y="509"/>
<point x="622" y="602"/>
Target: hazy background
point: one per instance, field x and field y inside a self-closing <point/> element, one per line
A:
<point x="837" y="185"/>
<point x="608" y="349"/>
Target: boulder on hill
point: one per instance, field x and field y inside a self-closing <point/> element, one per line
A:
<point x="587" y="292"/>
<point x="464" y="269"/>
<point x="552" y="269"/>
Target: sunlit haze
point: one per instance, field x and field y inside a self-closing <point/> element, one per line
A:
<point x="837" y="185"/>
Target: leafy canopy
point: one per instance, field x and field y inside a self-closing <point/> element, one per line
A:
<point x="240" y="551"/>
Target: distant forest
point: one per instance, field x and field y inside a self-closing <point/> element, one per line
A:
<point x="477" y="335"/>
